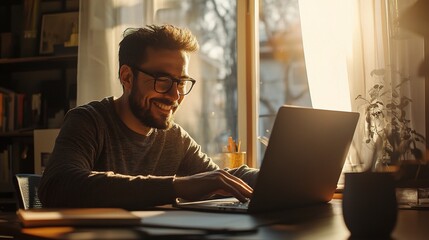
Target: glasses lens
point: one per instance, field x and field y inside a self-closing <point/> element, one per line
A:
<point x="164" y="84"/>
<point x="184" y="86"/>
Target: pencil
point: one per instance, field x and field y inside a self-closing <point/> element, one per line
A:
<point x="231" y="145"/>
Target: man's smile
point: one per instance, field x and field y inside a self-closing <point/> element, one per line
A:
<point x="164" y="107"/>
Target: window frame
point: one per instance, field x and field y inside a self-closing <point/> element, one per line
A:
<point x="248" y="77"/>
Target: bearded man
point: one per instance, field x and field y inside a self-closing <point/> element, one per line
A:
<point x="128" y="152"/>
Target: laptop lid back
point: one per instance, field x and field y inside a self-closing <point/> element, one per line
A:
<point x="304" y="158"/>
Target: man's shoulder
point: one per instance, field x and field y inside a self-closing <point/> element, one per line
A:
<point x="92" y="109"/>
<point x="96" y="106"/>
<point x="178" y="133"/>
<point x="176" y="128"/>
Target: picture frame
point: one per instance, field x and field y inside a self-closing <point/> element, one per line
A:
<point x="58" y="29"/>
<point x="44" y="141"/>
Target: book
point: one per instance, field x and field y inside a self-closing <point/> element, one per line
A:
<point x="19" y="110"/>
<point x="8" y="105"/>
<point x="1" y="111"/>
<point x="4" y="166"/>
<point x="11" y="112"/>
<point x="409" y="197"/>
<point x="77" y="217"/>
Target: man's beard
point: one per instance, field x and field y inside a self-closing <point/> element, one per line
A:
<point x="144" y="115"/>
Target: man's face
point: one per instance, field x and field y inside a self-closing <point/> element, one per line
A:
<point x="155" y="109"/>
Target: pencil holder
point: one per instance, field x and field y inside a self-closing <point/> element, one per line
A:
<point x="234" y="159"/>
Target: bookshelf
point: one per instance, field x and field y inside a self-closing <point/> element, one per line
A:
<point x="17" y="146"/>
<point x="48" y="78"/>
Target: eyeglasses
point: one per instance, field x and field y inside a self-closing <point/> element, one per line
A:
<point x="163" y="84"/>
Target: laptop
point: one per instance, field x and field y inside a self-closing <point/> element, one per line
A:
<point x="302" y="163"/>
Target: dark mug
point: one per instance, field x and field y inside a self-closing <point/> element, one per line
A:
<point x="369" y="204"/>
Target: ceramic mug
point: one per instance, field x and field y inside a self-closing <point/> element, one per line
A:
<point x="369" y="204"/>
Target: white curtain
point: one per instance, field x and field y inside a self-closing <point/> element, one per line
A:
<point x="102" y="23"/>
<point x="325" y="44"/>
<point x="344" y="42"/>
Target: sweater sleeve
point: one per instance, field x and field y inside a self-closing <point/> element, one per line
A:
<point x="69" y="179"/>
<point x="197" y="161"/>
<point x="249" y="175"/>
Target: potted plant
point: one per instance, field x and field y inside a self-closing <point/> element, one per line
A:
<point x="388" y="130"/>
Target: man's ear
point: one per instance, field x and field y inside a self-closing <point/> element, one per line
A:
<point x="126" y="76"/>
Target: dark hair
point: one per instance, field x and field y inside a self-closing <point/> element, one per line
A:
<point x="132" y="48"/>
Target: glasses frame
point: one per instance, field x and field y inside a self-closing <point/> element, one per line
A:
<point x="173" y="80"/>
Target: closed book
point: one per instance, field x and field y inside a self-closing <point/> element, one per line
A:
<point x="1" y="112"/>
<point x="19" y="110"/>
<point x="412" y="197"/>
<point x="77" y="217"/>
<point x="11" y="112"/>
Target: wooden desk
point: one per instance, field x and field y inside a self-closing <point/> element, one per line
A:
<point x="317" y="222"/>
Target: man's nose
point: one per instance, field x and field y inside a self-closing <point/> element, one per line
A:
<point x="174" y="92"/>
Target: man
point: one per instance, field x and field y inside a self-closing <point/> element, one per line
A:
<point x="128" y="152"/>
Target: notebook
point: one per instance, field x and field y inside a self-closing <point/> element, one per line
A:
<point x="77" y="217"/>
<point x="302" y="163"/>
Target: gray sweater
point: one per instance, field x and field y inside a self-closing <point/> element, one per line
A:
<point x="98" y="161"/>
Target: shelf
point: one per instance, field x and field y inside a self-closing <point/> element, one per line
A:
<point x="38" y="62"/>
<point x="70" y="57"/>
<point x="26" y="133"/>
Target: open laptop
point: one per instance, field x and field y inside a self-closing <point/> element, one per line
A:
<point x="302" y="163"/>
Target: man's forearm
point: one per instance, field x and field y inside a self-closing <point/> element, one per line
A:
<point x="106" y="189"/>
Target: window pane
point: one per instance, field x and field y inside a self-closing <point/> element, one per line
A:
<point x="209" y="112"/>
<point x="283" y="78"/>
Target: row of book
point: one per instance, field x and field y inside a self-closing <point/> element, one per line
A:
<point x="19" y="110"/>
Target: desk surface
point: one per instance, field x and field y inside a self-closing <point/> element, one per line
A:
<point x="317" y="222"/>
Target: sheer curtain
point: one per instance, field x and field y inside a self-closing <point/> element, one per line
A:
<point x="102" y="23"/>
<point x="345" y="41"/>
<point x="325" y="41"/>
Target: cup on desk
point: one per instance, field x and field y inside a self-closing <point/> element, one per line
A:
<point x="369" y="204"/>
<point x="234" y="159"/>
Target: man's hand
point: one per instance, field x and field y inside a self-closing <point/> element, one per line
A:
<point x="204" y="184"/>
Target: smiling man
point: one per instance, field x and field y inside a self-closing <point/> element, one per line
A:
<point x="128" y="152"/>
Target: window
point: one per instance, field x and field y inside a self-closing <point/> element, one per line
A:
<point x="211" y="112"/>
<point x="283" y="78"/>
